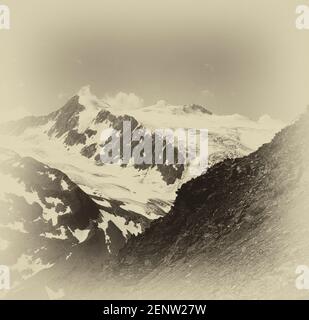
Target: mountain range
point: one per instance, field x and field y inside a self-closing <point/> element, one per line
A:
<point x="238" y="231"/>
<point x="63" y="208"/>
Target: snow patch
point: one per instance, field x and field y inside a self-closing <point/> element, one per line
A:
<point x="61" y="236"/>
<point x="126" y="227"/>
<point x="64" y="185"/>
<point x="80" y="235"/>
<point x="51" y="176"/>
<point x="28" y="267"/>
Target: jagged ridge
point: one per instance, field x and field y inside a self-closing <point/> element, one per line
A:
<point x="229" y="205"/>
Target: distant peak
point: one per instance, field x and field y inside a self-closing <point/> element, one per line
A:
<point x="196" y="108"/>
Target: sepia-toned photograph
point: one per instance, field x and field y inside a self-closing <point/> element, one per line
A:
<point x="154" y="150"/>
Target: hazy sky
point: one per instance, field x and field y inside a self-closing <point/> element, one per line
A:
<point x="235" y="56"/>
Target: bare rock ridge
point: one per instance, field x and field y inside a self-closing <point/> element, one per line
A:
<point x="238" y="209"/>
<point x="196" y="107"/>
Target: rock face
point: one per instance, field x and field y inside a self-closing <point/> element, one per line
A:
<point x="46" y="218"/>
<point x="79" y="125"/>
<point x="247" y="215"/>
<point x="196" y="108"/>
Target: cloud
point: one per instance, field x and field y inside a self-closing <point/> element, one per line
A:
<point x="125" y="101"/>
<point x="161" y="104"/>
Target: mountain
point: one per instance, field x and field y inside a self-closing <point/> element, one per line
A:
<point x="69" y="139"/>
<point x="65" y="213"/>
<point x="131" y="196"/>
<point x="46" y="218"/>
<point x="237" y="231"/>
<point x="79" y="124"/>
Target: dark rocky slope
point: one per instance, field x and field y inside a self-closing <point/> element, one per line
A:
<point x="238" y="230"/>
<point x="46" y="219"/>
